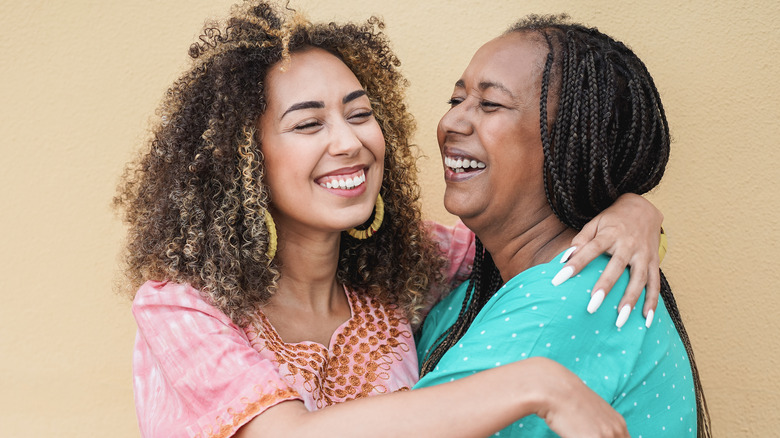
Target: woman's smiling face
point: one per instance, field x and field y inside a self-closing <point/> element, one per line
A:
<point x="323" y="149"/>
<point x="490" y="138"/>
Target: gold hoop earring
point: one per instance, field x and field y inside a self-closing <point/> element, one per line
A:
<point x="379" y="216"/>
<point x="271" y="227"/>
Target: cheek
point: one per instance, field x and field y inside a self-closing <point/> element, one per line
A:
<point x="288" y="165"/>
<point x="440" y="133"/>
<point x="374" y="140"/>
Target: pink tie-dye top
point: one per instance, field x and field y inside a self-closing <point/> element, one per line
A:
<point x="197" y="374"/>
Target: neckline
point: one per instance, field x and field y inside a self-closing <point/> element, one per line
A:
<point x="331" y="342"/>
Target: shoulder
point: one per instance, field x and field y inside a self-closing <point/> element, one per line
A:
<point x="165" y="291"/>
<point x="533" y="288"/>
<point x="164" y="302"/>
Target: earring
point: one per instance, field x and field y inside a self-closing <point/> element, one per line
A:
<point x="379" y="215"/>
<point x="269" y="224"/>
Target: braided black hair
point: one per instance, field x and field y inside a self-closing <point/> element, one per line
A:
<point x="604" y="133"/>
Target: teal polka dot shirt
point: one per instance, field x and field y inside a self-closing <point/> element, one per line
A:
<point x="643" y="373"/>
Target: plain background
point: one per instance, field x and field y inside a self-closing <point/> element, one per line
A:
<point x="80" y="79"/>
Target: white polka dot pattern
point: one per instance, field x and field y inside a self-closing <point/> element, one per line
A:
<point x="643" y="373"/>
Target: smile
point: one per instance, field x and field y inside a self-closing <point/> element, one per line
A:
<point x="462" y="164"/>
<point x="344" y="182"/>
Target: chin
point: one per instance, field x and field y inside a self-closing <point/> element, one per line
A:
<point x="457" y="205"/>
<point x="358" y="218"/>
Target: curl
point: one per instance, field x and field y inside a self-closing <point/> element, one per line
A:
<point x="195" y="199"/>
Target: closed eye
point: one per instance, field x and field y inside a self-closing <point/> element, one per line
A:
<point x="361" y="116"/>
<point x="308" y="126"/>
<point x="489" y="106"/>
<point x="454" y="101"/>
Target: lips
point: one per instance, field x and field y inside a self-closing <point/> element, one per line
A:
<point x="344" y="179"/>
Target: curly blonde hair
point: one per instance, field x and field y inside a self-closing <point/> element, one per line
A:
<point x="195" y="199"/>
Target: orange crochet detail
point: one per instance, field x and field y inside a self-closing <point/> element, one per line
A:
<point x="358" y="363"/>
<point x="252" y="408"/>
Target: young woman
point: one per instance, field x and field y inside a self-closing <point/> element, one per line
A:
<point x="561" y="119"/>
<point x="276" y="241"/>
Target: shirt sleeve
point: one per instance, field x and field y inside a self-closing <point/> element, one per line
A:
<point x="195" y="372"/>
<point x="457" y="245"/>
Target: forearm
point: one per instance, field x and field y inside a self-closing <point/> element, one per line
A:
<point x="471" y="407"/>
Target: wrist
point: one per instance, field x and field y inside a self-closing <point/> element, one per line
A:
<point x="545" y="382"/>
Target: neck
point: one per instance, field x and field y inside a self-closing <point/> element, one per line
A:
<point x="517" y="245"/>
<point x="308" y="264"/>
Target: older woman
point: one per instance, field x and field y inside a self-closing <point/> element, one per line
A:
<point x="276" y="244"/>
<point x="561" y="119"/>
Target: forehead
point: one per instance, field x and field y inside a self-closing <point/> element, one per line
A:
<point x="515" y="60"/>
<point x="312" y="70"/>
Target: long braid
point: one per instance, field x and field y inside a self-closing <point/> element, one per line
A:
<point x="703" y="413"/>
<point x="627" y="153"/>
<point x="483" y="284"/>
<point x="608" y="136"/>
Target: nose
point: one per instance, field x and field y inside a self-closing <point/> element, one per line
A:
<point x="344" y="140"/>
<point x="455" y="122"/>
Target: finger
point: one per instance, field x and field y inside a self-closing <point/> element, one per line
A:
<point x="611" y="273"/>
<point x="580" y="258"/>
<point x="566" y="271"/>
<point x="652" y="291"/>
<point x="636" y="282"/>
<point x="586" y="234"/>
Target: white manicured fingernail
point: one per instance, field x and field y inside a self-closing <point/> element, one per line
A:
<point x="595" y="300"/>
<point x="567" y="254"/>
<point x="623" y="315"/>
<point x="649" y="319"/>
<point x="562" y="275"/>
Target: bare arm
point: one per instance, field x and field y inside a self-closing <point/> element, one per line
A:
<point x="629" y="230"/>
<point x="475" y="406"/>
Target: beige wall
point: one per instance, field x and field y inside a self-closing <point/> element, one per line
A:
<point x="79" y="79"/>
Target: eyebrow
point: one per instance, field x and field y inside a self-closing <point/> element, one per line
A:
<point x="353" y="95"/>
<point x="304" y="105"/>
<point x="484" y="85"/>
<point x="309" y="104"/>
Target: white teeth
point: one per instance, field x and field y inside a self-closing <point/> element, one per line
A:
<point x="460" y="164"/>
<point x="348" y="183"/>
